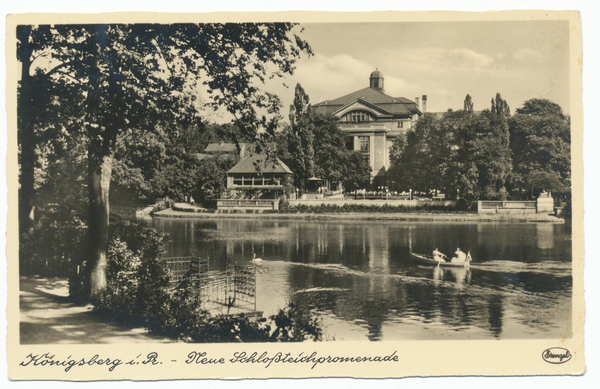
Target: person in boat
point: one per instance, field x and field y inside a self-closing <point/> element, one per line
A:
<point x="438" y="256"/>
<point x="460" y="256"/>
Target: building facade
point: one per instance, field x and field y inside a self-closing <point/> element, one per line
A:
<point x="256" y="183"/>
<point x="372" y="120"/>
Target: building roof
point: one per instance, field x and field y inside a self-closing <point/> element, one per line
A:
<point x="203" y="156"/>
<point x="257" y="163"/>
<point x="376" y="73"/>
<point x="440" y="115"/>
<point x="221" y="148"/>
<point x="397" y="106"/>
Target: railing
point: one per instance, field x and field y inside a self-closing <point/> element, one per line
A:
<point x="508" y="204"/>
<point x="192" y="269"/>
<point x="217" y="291"/>
<point x="263" y="204"/>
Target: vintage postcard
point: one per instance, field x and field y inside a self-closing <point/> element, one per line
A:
<point x="294" y="195"/>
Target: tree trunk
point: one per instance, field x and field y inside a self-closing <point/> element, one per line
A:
<point x="100" y="169"/>
<point x="100" y="159"/>
<point x="26" y="135"/>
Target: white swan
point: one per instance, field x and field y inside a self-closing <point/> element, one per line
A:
<point x="256" y="259"/>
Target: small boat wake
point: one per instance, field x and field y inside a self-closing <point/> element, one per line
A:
<point x="320" y="289"/>
<point x="344" y="271"/>
<point x="555" y="268"/>
<point x="461" y="279"/>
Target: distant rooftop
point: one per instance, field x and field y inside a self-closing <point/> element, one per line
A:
<point x="397" y="106"/>
<point x="258" y="163"/>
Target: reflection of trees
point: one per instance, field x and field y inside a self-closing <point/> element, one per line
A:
<point x="495" y="312"/>
<point x="363" y="260"/>
<point x="496" y="242"/>
<point x="544" y="283"/>
<point x="545" y="236"/>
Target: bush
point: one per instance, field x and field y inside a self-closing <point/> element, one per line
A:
<point x="54" y="245"/>
<point x="162" y="204"/>
<point x="138" y="295"/>
<point x="136" y="277"/>
<point x="183" y="319"/>
<point x="465" y="205"/>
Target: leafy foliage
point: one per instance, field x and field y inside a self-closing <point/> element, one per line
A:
<point x="182" y="318"/>
<point x="138" y="295"/>
<point x="100" y="83"/>
<point x="301" y="138"/>
<point x="419" y="159"/>
<point x="313" y="145"/>
<point x="356" y="171"/>
<point x="53" y="247"/>
<point x="136" y="276"/>
<point x="463" y="153"/>
<point x="540" y="141"/>
<point x="331" y="157"/>
<point x="468" y="104"/>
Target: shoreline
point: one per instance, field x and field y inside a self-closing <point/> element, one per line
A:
<point x="421" y="217"/>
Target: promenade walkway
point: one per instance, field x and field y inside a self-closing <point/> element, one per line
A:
<point x="48" y="317"/>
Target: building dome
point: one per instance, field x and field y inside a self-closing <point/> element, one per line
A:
<point x="376" y="80"/>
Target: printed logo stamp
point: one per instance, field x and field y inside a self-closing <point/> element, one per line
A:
<point x="556" y="355"/>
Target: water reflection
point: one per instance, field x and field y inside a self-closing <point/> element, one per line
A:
<point x="360" y="279"/>
<point x="545" y="236"/>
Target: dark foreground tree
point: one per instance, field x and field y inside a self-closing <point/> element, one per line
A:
<point x="111" y="78"/>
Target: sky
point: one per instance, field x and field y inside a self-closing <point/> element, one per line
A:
<point x="443" y="60"/>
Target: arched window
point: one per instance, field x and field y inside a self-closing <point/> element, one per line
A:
<point x="358" y="116"/>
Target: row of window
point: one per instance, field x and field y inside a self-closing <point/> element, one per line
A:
<point x="362" y="116"/>
<point x="363" y="143"/>
<point x="357" y="117"/>
<point x="242" y="180"/>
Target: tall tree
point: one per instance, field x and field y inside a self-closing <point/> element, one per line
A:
<point x="461" y="153"/>
<point x="500" y="106"/>
<point x="33" y="110"/>
<point x="330" y="149"/>
<point x="357" y="171"/>
<point x="418" y="159"/>
<point x="126" y="76"/>
<point x="540" y="141"/>
<point x="298" y="145"/>
<point x="468" y="104"/>
<point x="302" y="136"/>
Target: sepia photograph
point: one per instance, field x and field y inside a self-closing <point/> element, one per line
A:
<point x="274" y="190"/>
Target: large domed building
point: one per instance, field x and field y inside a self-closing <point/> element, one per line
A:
<point x="372" y="120"/>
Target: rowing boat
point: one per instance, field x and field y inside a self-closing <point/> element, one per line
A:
<point x="428" y="260"/>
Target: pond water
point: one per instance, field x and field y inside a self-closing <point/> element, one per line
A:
<point x="359" y="279"/>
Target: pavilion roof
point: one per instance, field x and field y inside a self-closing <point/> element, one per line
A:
<point x="258" y="163"/>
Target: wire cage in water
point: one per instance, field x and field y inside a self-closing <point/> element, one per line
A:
<point x="220" y="292"/>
